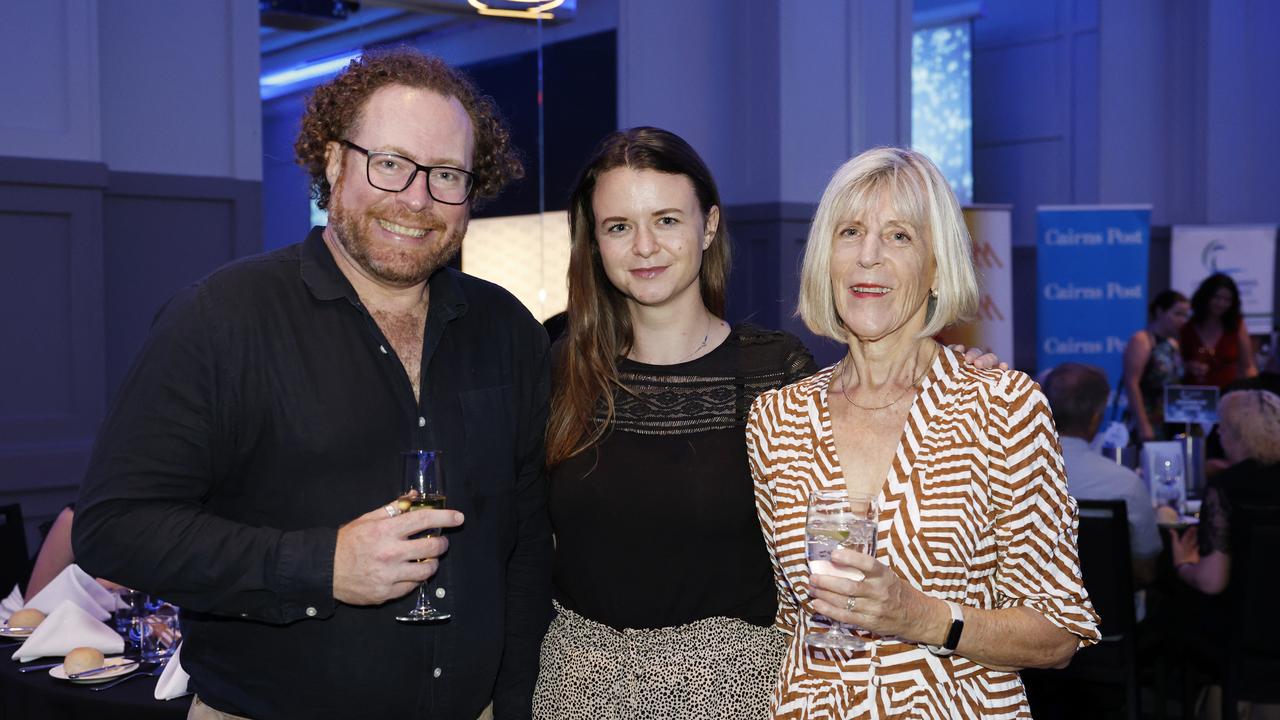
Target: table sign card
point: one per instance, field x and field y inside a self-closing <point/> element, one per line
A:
<point x="1191" y="404"/>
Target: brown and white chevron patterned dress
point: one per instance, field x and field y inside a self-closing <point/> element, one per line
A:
<point x="974" y="510"/>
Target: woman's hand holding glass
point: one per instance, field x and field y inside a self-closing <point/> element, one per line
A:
<point x="836" y="520"/>
<point x="883" y="603"/>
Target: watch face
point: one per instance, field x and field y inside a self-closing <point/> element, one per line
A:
<point x="953" y="636"/>
<point x="953" y="633"/>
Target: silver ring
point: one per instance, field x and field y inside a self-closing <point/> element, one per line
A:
<point x="391" y="509"/>
<point x="848" y="604"/>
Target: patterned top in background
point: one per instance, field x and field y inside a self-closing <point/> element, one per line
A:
<point x="1248" y="481"/>
<point x="656" y="525"/>
<point x="1164" y="367"/>
<point x="974" y="510"/>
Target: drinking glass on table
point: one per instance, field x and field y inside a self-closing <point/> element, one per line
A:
<point x="160" y="633"/>
<point x="129" y="604"/>
<point x="1169" y="489"/>
<point x="838" y="519"/>
<point x="422" y="489"/>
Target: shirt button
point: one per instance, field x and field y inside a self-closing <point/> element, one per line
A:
<point x="875" y="681"/>
<point x="311" y="612"/>
<point x="440" y="592"/>
<point x="436" y="672"/>
<point x="383" y="348"/>
<point x="422" y="422"/>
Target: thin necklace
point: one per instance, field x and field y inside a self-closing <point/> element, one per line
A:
<point x="844" y="390"/>
<point x="701" y="345"/>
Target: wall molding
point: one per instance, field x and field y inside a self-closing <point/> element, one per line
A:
<point x="92" y="255"/>
<point x="40" y="172"/>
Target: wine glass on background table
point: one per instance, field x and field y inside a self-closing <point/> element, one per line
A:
<point x="422" y="489"/>
<point x="838" y="519"/>
<point x="1169" y="486"/>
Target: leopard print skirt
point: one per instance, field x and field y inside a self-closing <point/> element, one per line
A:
<point x="713" y="669"/>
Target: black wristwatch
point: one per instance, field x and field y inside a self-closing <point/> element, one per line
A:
<point x="953" y="633"/>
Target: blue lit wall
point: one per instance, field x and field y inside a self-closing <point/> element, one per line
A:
<point x="941" y="105"/>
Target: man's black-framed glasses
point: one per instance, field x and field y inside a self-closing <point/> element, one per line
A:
<point x="395" y="173"/>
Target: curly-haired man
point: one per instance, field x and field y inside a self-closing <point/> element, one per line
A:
<point x="270" y="407"/>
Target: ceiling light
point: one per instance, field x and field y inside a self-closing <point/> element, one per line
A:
<point x="522" y="9"/>
<point x="307" y="71"/>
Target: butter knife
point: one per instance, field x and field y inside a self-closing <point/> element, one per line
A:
<point x="87" y="673"/>
<point x="32" y="668"/>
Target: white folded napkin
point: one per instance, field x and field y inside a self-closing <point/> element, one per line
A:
<point x="11" y="604"/>
<point x="78" y="587"/>
<point x="67" y="628"/>
<point x="173" y="681"/>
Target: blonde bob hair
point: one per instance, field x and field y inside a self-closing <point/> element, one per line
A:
<point x="1253" y="416"/>
<point x="919" y="195"/>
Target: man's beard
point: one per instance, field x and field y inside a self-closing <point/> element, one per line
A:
<point x="402" y="266"/>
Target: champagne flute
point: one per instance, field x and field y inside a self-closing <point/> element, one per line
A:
<point x="838" y="519"/>
<point x="423" y="486"/>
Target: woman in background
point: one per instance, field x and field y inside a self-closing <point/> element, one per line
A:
<point x="975" y="573"/>
<point x="1216" y="348"/>
<point x="55" y="555"/>
<point x="1152" y="360"/>
<point x="1249" y="427"/>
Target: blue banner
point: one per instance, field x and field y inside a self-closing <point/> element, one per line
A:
<point x="1092" y="284"/>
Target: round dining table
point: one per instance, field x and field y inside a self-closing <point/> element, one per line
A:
<point x="32" y="695"/>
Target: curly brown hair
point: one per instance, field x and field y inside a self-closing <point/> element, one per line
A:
<point x="335" y="107"/>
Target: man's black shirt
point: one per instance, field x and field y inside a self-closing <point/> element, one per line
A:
<point x="266" y="409"/>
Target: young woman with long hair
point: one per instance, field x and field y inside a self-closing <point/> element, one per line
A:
<point x="663" y="585"/>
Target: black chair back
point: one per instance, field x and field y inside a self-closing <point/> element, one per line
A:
<point x="15" y="563"/>
<point x="1253" y="660"/>
<point x="1105" y="563"/>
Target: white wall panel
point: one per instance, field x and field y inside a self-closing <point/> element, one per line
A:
<point x="180" y="87"/>
<point x="49" y="52"/>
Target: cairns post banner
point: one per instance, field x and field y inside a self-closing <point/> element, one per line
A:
<point x="1092" y="283"/>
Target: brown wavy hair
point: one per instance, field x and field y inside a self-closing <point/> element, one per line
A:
<point x="1203" y="297"/>
<point x="599" y="330"/>
<point x="336" y="106"/>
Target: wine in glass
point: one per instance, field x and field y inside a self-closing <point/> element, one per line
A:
<point x="838" y="519"/>
<point x="423" y="489"/>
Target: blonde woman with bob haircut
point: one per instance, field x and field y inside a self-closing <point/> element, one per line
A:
<point x="918" y="190"/>
<point x="975" y="573"/>
<point x="1249" y="426"/>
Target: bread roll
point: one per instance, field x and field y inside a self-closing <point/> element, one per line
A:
<point x="82" y="659"/>
<point x="1166" y="514"/>
<point x="27" y="617"/>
